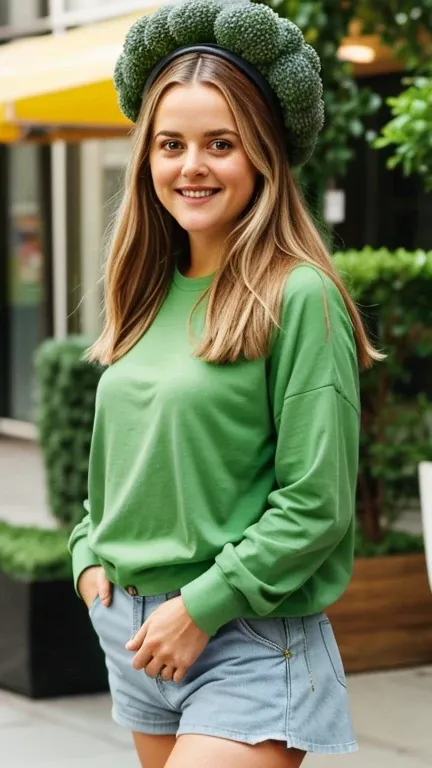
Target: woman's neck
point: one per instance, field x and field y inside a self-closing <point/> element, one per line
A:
<point x="204" y="256"/>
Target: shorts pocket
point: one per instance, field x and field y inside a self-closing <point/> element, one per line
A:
<point x="269" y="632"/>
<point x="332" y="649"/>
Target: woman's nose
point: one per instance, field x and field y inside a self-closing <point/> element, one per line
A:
<point x="193" y="164"/>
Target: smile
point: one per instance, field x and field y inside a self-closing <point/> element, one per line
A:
<point x="196" y="198"/>
<point x="198" y="194"/>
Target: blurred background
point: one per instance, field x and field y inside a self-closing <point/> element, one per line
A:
<point x="63" y="148"/>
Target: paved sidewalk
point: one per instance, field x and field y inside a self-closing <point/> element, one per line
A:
<point x="391" y="712"/>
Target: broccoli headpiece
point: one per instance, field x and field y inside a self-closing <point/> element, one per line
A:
<point x="254" y="34"/>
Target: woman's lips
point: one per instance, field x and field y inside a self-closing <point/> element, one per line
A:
<point x="198" y="200"/>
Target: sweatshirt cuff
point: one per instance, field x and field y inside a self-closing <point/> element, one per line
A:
<point x="211" y="602"/>
<point x="82" y="557"/>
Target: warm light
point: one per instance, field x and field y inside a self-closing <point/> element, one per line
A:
<point x="358" y="54"/>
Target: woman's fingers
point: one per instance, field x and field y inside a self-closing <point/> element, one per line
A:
<point x="104" y="589"/>
<point x="167" y="673"/>
<point x="137" y="640"/>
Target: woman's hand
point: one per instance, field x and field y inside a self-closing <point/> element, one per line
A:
<point x="168" y="642"/>
<point x="92" y="583"/>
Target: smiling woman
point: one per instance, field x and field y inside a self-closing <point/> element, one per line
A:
<point x="201" y="174"/>
<point x="225" y="445"/>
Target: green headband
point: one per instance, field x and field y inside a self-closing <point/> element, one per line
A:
<point x="254" y="33"/>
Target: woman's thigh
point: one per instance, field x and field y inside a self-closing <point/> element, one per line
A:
<point x="153" y="751"/>
<point x="197" y="751"/>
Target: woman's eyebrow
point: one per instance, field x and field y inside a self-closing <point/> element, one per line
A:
<point x="207" y="134"/>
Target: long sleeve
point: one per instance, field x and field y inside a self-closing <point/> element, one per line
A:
<point x="313" y="392"/>
<point x="82" y="556"/>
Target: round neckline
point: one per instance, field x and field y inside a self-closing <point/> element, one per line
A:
<point x="192" y="283"/>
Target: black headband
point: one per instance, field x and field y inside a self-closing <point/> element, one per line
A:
<point x="247" y="69"/>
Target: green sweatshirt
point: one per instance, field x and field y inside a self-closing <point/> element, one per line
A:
<point x="234" y="483"/>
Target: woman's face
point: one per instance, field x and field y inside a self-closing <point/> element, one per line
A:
<point x="200" y="171"/>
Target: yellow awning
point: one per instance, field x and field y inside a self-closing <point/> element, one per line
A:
<point x="63" y="80"/>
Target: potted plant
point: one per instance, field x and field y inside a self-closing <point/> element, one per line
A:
<point x="384" y="619"/>
<point x="47" y="645"/>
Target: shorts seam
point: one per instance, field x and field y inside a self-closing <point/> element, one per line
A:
<point x="309" y="746"/>
<point x="225" y="731"/>
<point x="129" y="722"/>
<point x="159" y="683"/>
<point x="291" y="742"/>
<point x="288" y="682"/>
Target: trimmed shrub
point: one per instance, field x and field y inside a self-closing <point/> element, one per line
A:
<point x="34" y="554"/>
<point x="393" y="291"/>
<point x="66" y="403"/>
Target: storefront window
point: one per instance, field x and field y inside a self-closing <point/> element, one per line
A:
<point x="20" y="13"/>
<point x="26" y="277"/>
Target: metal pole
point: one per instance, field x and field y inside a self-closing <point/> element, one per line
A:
<point x="91" y="192"/>
<point x="59" y="206"/>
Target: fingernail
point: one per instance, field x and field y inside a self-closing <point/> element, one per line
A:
<point x="128" y="644"/>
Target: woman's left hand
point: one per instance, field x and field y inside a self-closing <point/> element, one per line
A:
<point x="168" y="642"/>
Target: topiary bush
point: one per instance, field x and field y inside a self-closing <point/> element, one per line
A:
<point x="32" y="554"/>
<point x="66" y="401"/>
<point x="393" y="291"/>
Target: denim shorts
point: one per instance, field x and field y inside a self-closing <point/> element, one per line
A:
<point x="257" y="679"/>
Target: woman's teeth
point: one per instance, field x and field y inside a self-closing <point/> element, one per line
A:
<point x="204" y="193"/>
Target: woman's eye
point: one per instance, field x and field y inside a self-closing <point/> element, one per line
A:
<point x="222" y="145"/>
<point x="171" y="145"/>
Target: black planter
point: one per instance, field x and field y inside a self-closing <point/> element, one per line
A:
<point x="47" y="644"/>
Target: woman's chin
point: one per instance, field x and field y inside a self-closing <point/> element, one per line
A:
<point x="198" y="225"/>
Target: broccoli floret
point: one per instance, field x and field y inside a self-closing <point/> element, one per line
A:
<point x="158" y="38"/>
<point x="295" y="83"/>
<point x="299" y="155"/>
<point x="193" y="21"/>
<point x="135" y="39"/>
<point x="312" y="57"/>
<point x="139" y="57"/>
<point x="253" y="33"/>
<point x="290" y="38"/>
<point x="137" y="71"/>
<point x="118" y="76"/>
<point x="129" y="103"/>
<point x="306" y="123"/>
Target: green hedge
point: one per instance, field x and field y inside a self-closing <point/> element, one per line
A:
<point x="66" y="401"/>
<point x="393" y="290"/>
<point x="33" y="554"/>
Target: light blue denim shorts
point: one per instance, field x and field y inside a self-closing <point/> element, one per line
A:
<point x="256" y="680"/>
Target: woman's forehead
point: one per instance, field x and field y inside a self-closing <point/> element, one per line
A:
<point x="194" y="108"/>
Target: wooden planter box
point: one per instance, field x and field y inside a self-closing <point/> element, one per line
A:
<point x="384" y="619"/>
<point x="47" y="644"/>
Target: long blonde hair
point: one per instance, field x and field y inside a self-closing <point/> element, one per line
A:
<point x="274" y="235"/>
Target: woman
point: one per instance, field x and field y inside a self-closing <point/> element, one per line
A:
<point x="224" y="456"/>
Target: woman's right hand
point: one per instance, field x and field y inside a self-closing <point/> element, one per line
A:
<point x="92" y="583"/>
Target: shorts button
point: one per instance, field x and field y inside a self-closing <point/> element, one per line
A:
<point x="132" y="591"/>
